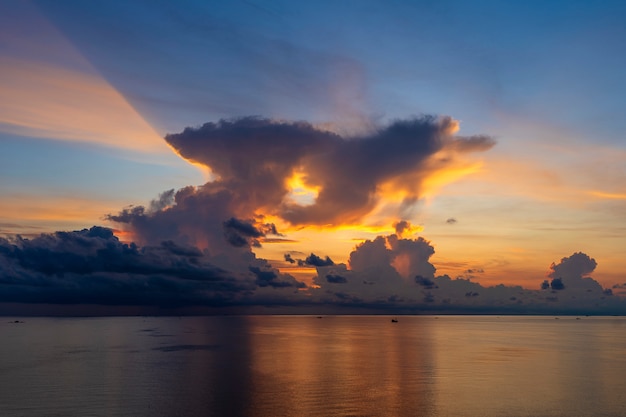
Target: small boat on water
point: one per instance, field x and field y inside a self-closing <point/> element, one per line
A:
<point x="394" y="320"/>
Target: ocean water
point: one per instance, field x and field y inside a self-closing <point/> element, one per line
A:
<point x="270" y="366"/>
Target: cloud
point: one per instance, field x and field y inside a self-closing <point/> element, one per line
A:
<point x="241" y="233"/>
<point x="336" y="279"/>
<point x="401" y="226"/>
<point x="425" y="282"/>
<point x="378" y="270"/>
<point x="207" y="217"/>
<point x="557" y="284"/>
<point x="394" y="273"/>
<point x="572" y="273"/>
<point x="255" y="157"/>
<point x="268" y="277"/>
<point x="92" y="266"/>
<point x="575" y="266"/>
<point x="252" y="161"/>
<point x="404" y="227"/>
<point x="315" y="260"/>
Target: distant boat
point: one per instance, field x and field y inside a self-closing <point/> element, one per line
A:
<point x="394" y="320"/>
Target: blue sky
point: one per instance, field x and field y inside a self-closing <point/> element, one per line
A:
<point x="90" y="88"/>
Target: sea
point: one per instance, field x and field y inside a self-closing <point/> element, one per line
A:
<point x="272" y="366"/>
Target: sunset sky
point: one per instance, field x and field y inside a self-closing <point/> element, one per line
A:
<point x="436" y="155"/>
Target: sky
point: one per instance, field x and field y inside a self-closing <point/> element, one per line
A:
<point x="319" y="157"/>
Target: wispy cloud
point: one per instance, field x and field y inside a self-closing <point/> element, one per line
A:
<point x="49" y="90"/>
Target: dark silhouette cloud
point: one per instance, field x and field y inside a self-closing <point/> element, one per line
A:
<point x="574" y="266"/>
<point x="557" y="284"/>
<point x="253" y="157"/>
<point x="92" y="266"/>
<point x="242" y="227"/>
<point x="336" y="279"/>
<point x="451" y="220"/>
<point x="241" y="233"/>
<point x="571" y="273"/>
<point x="315" y="260"/>
<point x="425" y="282"/>
<point x="265" y="278"/>
<point x="387" y="273"/>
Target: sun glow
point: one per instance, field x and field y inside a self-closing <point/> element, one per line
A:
<point x="300" y="192"/>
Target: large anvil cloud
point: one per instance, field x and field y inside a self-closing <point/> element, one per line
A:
<point x="254" y="158"/>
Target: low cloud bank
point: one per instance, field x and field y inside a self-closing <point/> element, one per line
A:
<point x="386" y="274"/>
<point x="92" y="266"/>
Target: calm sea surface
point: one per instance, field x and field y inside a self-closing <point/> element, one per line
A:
<point x="269" y="366"/>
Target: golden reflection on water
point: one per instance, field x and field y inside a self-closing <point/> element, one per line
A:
<point x="449" y="366"/>
<point x="268" y="366"/>
<point x="343" y="365"/>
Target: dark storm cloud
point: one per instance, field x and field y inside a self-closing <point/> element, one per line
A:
<point x="557" y="284"/>
<point x="240" y="233"/>
<point x="271" y="278"/>
<point x="253" y="157"/>
<point x="336" y="279"/>
<point x="93" y="266"/>
<point x="351" y="173"/>
<point x="315" y="260"/>
<point x="425" y="282"/>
